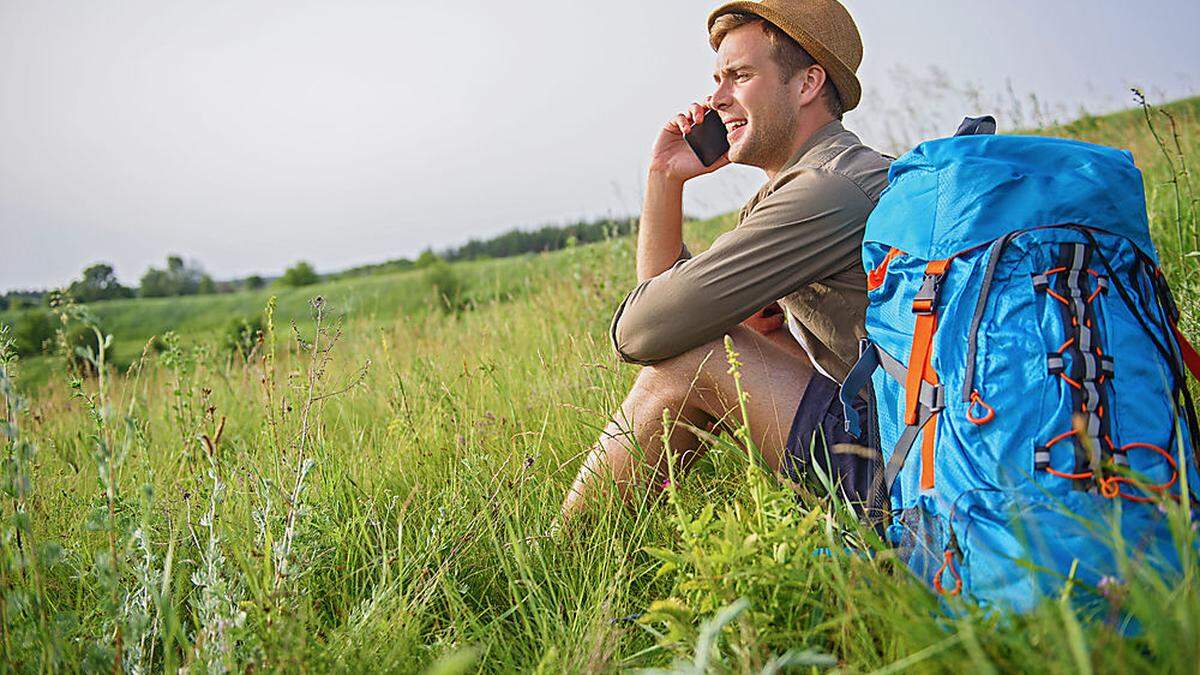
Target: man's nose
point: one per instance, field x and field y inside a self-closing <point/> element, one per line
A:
<point x="720" y="98"/>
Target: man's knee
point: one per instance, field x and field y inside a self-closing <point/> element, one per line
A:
<point x="673" y="383"/>
<point x="686" y="367"/>
<point x="657" y="388"/>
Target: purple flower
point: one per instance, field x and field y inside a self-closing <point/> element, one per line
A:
<point x="1110" y="587"/>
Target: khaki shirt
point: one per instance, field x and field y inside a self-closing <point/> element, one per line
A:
<point x="797" y="242"/>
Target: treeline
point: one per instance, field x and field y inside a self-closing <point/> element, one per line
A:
<point x="511" y="243"/>
<point x="98" y="282"/>
<point x="549" y="238"/>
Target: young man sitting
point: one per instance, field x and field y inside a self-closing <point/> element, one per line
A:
<point x="785" y="74"/>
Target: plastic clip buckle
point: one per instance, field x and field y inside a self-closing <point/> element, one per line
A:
<point x="926" y="297"/>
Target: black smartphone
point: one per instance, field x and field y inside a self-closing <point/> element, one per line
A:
<point x="708" y="139"/>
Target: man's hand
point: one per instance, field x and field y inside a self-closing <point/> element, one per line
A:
<point x="766" y="320"/>
<point x="672" y="157"/>
<point x="672" y="162"/>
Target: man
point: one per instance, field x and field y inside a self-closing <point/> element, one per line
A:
<point x="785" y="74"/>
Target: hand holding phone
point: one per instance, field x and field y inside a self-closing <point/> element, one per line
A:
<point x="709" y="138"/>
<point x="675" y="152"/>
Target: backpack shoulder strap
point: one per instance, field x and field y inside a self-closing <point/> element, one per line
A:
<point x="972" y="126"/>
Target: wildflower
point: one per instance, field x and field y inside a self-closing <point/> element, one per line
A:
<point x="1111" y="588"/>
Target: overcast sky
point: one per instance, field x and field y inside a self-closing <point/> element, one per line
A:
<point x="250" y="134"/>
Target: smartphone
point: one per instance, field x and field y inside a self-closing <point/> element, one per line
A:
<point x="708" y="139"/>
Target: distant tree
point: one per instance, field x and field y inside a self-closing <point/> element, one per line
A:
<point x="98" y="283"/>
<point x="427" y="258"/>
<point x="186" y="276"/>
<point x="300" y="274"/>
<point x="22" y="299"/>
<point x="448" y="289"/>
<point x="155" y="284"/>
<point x="206" y="286"/>
<point x="254" y="282"/>
<point x="242" y="333"/>
<point x="32" y="329"/>
<point x="179" y="278"/>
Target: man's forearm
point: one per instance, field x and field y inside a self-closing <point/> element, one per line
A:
<point x="660" y="233"/>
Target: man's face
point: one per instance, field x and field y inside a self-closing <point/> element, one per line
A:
<point x="760" y="111"/>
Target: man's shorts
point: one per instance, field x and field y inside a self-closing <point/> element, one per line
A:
<point x="819" y="445"/>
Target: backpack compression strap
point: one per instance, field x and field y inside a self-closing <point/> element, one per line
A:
<point x="920" y="362"/>
<point x="931" y="400"/>
<point x="924" y="395"/>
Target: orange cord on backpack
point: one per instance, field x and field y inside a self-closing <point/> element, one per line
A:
<point x="1110" y="487"/>
<point x="989" y="413"/>
<point x="947" y="563"/>
<point x="1163" y="487"/>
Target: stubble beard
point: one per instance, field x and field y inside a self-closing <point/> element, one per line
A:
<point x="768" y="138"/>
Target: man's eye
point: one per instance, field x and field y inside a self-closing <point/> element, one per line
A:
<point x="741" y="77"/>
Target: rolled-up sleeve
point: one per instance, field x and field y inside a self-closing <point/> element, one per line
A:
<point x="810" y="227"/>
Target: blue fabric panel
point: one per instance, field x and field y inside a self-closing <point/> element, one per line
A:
<point x="951" y="194"/>
<point x="1017" y="552"/>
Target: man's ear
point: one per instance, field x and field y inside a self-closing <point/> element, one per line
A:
<point x="812" y="80"/>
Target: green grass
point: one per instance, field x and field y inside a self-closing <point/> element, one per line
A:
<point x="386" y="504"/>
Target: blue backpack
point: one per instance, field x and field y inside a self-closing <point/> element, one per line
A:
<point x="1027" y="377"/>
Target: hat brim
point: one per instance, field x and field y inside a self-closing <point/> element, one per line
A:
<point x="843" y="77"/>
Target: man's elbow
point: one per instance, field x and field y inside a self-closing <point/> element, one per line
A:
<point x="640" y="343"/>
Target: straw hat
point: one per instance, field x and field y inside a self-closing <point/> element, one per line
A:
<point x="822" y="27"/>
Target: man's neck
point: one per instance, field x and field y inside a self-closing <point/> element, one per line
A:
<point x="803" y="135"/>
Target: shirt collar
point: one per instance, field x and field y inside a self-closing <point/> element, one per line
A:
<point x="824" y="133"/>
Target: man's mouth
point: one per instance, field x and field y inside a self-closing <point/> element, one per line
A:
<point x="734" y="127"/>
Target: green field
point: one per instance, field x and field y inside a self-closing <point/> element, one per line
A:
<point x="375" y="490"/>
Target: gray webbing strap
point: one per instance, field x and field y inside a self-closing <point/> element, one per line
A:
<point x="930" y="398"/>
<point x="892" y="367"/>
<point x="985" y="288"/>
<point x="1087" y="365"/>
<point x="1075" y="258"/>
<point x="903" y="446"/>
<point x="1041" y="457"/>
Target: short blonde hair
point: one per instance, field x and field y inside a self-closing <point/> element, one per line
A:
<point x="787" y="53"/>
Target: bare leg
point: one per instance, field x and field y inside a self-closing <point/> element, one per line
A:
<point x="696" y="389"/>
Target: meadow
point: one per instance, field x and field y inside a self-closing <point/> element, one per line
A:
<point x="373" y="485"/>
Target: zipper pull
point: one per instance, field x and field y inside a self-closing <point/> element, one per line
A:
<point x="948" y="564"/>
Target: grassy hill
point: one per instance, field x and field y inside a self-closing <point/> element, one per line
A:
<point x="375" y="490"/>
<point x="411" y="294"/>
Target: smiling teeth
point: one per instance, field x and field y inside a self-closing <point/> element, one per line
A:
<point x="735" y="125"/>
